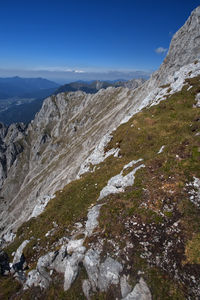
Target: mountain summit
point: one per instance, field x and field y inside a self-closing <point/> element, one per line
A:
<point x="184" y="48"/>
<point x="100" y="193"/>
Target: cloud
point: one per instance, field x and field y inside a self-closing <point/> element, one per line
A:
<point x="79" y="71"/>
<point x="57" y="69"/>
<point x="161" y="50"/>
<point x="64" y="75"/>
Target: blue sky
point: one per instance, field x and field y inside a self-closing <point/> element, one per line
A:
<point x="88" y="35"/>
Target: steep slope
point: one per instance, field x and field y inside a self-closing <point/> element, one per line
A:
<point x="128" y="226"/>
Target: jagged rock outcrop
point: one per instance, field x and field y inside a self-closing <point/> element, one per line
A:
<point x="131" y="84"/>
<point x="184" y="48"/>
<point x="11" y="144"/>
<point x="95" y="86"/>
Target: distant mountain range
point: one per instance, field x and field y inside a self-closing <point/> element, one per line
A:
<point x="21" y="113"/>
<point x="25" y="87"/>
<point x="22" y="98"/>
<point x="95" y="86"/>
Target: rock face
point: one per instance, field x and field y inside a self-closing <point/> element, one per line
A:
<point x="184" y="48"/>
<point x="140" y="291"/>
<point x="11" y="144"/>
<point x="131" y="84"/>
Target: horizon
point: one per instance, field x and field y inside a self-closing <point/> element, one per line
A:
<point x="88" y="40"/>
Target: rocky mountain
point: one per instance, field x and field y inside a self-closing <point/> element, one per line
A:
<point x="100" y="193"/>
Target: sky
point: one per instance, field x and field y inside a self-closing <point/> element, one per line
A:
<point x="79" y="39"/>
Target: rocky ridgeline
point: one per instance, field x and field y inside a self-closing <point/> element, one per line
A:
<point x="184" y="48"/>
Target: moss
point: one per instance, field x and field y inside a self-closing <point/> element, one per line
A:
<point x="162" y="287"/>
<point x="8" y="287"/>
<point x="192" y="250"/>
<point x="165" y="86"/>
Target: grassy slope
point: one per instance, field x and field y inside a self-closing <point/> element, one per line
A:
<point x="172" y="123"/>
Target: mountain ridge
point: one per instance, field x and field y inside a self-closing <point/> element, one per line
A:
<point x="96" y="85"/>
<point x="18" y="86"/>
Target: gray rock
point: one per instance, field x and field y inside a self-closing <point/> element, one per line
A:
<point x="86" y="287"/>
<point x="71" y="270"/>
<point x="118" y="183"/>
<point x="19" y="251"/>
<point x="91" y="263"/>
<point x="140" y="292"/>
<point x="92" y="217"/>
<point x="109" y="273"/>
<point x="197" y="98"/>
<point x="125" y="286"/>
<point x="34" y="278"/>
<point x="195" y="192"/>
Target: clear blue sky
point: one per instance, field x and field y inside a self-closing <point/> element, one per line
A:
<point x="88" y="34"/>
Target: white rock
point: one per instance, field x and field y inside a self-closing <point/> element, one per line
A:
<point x="34" y="278"/>
<point x="132" y="163"/>
<point x="98" y="155"/>
<point x="91" y="263"/>
<point x="86" y="287"/>
<point x="161" y="149"/>
<point x="71" y="270"/>
<point x="118" y="183"/>
<point x="40" y="206"/>
<point x="92" y="217"/>
<point x="140" y="292"/>
<point x="109" y="273"/>
<point x="197" y="98"/>
<point x="195" y="193"/>
<point x="75" y="245"/>
<point x="125" y="286"/>
<point x="9" y="237"/>
<point x="19" y="251"/>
